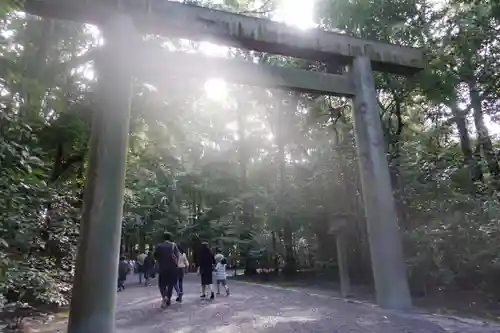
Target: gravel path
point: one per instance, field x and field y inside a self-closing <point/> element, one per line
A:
<point x="257" y="308"/>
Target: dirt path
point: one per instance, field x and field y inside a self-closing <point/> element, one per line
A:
<point x="257" y="308"/>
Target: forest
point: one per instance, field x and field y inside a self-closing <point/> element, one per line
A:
<point x="263" y="174"/>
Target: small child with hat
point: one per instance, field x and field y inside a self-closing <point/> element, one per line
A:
<point x="220" y="272"/>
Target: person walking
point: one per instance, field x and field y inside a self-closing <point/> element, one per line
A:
<point x="220" y="273"/>
<point x="140" y="266"/>
<point x="149" y="268"/>
<point x="167" y="257"/>
<point x="131" y="265"/>
<point x="206" y="266"/>
<point x="182" y="265"/>
<point x="123" y="270"/>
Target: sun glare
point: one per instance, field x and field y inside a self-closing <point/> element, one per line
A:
<point x="216" y="89"/>
<point x="211" y="49"/>
<point x="296" y="12"/>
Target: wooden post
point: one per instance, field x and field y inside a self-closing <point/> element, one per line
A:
<point x="94" y="290"/>
<point x="338" y="227"/>
<point x="345" y="283"/>
<point x="388" y="265"/>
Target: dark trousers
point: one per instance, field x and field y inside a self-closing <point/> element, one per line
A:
<point x="180" y="279"/>
<point x="166" y="281"/>
<point x="149" y="273"/>
<point x="121" y="281"/>
<point x="140" y="271"/>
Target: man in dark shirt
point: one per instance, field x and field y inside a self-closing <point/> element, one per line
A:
<point x="166" y="255"/>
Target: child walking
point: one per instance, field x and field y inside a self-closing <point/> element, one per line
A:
<point x="220" y="275"/>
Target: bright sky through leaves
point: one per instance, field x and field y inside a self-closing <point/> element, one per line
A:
<point x="298" y="13"/>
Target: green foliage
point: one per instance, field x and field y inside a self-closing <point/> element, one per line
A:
<point x="35" y="286"/>
<point x="9" y="5"/>
<point x="37" y="249"/>
<point x="40" y="180"/>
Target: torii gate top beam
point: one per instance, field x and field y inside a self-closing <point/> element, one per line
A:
<point x="160" y="65"/>
<point x="180" y="20"/>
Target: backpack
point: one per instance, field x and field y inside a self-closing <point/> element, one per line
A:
<point x="123" y="268"/>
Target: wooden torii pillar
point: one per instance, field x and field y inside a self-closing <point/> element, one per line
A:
<point x="386" y="251"/>
<point x="93" y="299"/>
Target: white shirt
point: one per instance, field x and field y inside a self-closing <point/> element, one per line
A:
<point x="183" y="262"/>
<point x="220" y="271"/>
<point x="140" y="258"/>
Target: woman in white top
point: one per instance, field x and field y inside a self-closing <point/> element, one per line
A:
<point x="181" y="267"/>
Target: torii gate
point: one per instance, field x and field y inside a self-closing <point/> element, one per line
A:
<point x="94" y="293"/>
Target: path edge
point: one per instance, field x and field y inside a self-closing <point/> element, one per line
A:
<point x="415" y="313"/>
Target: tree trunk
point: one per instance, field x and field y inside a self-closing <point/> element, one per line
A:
<point x="473" y="166"/>
<point x="37" y="62"/>
<point x="275" y="256"/>
<point x="290" y="260"/>
<point x="250" y="268"/>
<point x="193" y="210"/>
<point x="340" y="207"/>
<point x="395" y="154"/>
<point x="483" y="136"/>
<point x="325" y="240"/>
